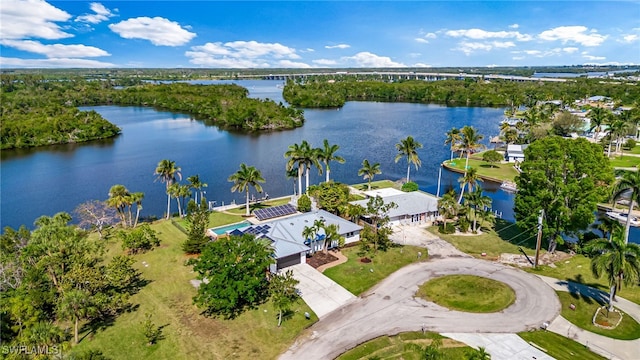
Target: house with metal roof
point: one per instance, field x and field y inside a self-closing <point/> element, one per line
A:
<point x="515" y="153"/>
<point x="290" y="247"/>
<point x="415" y="207"/>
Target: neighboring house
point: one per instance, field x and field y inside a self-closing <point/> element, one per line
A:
<point x="290" y="248"/>
<point x="515" y="153"/>
<point x="414" y="207"/>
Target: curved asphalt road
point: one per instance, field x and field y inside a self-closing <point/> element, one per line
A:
<point x="390" y="308"/>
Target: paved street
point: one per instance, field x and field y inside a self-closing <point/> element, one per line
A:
<point x="390" y="308"/>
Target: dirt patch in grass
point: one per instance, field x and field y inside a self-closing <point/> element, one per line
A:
<point x="318" y="259"/>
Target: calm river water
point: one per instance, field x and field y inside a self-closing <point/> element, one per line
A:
<point x="46" y="180"/>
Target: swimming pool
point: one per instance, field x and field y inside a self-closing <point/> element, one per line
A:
<point x="223" y="229"/>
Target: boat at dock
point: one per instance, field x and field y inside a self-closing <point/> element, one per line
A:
<point x="622" y="217"/>
<point x="509" y="186"/>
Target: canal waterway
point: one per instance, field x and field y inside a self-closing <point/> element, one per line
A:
<point x="47" y="180"/>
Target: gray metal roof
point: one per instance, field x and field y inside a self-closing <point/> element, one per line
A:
<point x="410" y="203"/>
<point x="286" y="234"/>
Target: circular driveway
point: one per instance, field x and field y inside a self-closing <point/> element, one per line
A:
<point x="390" y="308"/>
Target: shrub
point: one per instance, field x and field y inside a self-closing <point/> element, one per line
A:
<point x="446" y="228"/>
<point x="409" y="187"/>
<point x="140" y="239"/>
<point x="304" y="203"/>
<point x="463" y="224"/>
<point x="630" y="144"/>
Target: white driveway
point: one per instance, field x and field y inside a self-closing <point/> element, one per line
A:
<point x="322" y="294"/>
<point x="501" y="346"/>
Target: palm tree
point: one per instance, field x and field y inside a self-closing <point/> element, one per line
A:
<point x="618" y="260"/>
<point x="167" y="172"/>
<point x="196" y="184"/>
<point x="597" y="117"/>
<point x="295" y="154"/>
<point x="479" y="354"/>
<point x="309" y="233"/>
<point x="137" y="197"/>
<point x="331" y="234"/>
<point x="628" y="183"/>
<point x="470" y="142"/>
<point x="408" y="148"/>
<point x="453" y="137"/>
<point x="245" y="178"/>
<point x="477" y="202"/>
<point x="448" y="206"/>
<point x="327" y="154"/>
<point x="119" y="199"/>
<point x="292" y="174"/>
<point x="471" y="179"/>
<point x="310" y="156"/>
<point x="368" y="171"/>
<point x="175" y="190"/>
<point x="75" y="305"/>
<point x="607" y="226"/>
<point x="617" y="129"/>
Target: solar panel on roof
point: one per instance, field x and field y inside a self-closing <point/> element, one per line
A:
<point x="275" y="211"/>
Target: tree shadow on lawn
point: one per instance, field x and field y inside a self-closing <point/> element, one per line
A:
<point x="586" y="292"/>
<point x="104" y="322"/>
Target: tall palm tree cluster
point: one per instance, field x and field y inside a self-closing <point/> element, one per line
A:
<point x="302" y="156"/>
<point x="616" y="126"/>
<point x="122" y="200"/>
<point x="170" y="174"/>
<point x="466" y="141"/>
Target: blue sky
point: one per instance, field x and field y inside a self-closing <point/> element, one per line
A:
<point x="306" y="34"/>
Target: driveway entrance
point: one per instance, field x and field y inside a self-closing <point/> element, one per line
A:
<point x="322" y="294"/>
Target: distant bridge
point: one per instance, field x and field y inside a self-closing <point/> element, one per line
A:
<point x="393" y="75"/>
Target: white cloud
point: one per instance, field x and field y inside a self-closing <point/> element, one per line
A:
<point x="339" y="46"/>
<point x="293" y="64"/>
<point x="587" y="56"/>
<point x="574" y="34"/>
<point x="421" y="65"/>
<point x="630" y="38"/>
<point x="518" y="57"/>
<point x="422" y="40"/>
<point x="367" y="59"/>
<point x="160" y="31"/>
<point x="325" y="62"/>
<point x="570" y="50"/>
<point x="101" y="14"/>
<point x="55" y="50"/>
<point x="241" y="54"/>
<point x="470" y="47"/>
<point x="514" y="26"/>
<point x="31" y="19"/>
<point x="53" y="63"/>
<point x="544" y="54"/>
<point x="479" y="34"/>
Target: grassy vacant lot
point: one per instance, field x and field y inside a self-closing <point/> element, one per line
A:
<point x="380" y="184"/>
<point x="582" y="317"/>
<point x="559" y="346"/>
<point x="187" y="334"/>
<point x="468" y="293"/>
<point x="395" y="347"/>
<point x="624" y="161"/>
<point x="357" y="276"/>
<point x="578" y="269"/>
<point x="496" y="171"/>
<point x="506" y="238"/>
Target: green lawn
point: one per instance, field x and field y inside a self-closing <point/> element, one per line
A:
<point x="216" y="219"/>
<point x="578" y="269"/>
<point x="582" y="316"/>
<point x="357" y="277"/>
<point x="380" y="184"/>
<point x="395" y="347"/>
<point x="559" y="346"/>
<point x="506" y="238"/>
<point x="188" y="334"/>
<point x="468" y="293"/>
<point x="497" y="171"/>
<point x="624" y="161"/>
<point x="635" y="150"/>
<point x="241" y="210"/>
